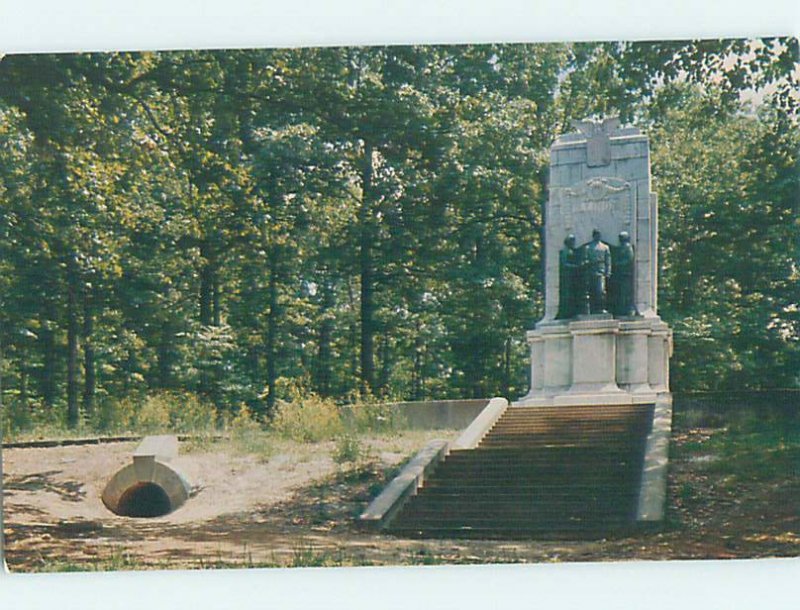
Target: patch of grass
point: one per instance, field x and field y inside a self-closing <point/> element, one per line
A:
<point x="698" y="418"/>
<point x="753" y="445"/>
<point x="305" y="555"/>
<point x="118" y="559"/>
<point x="199" y="443"/>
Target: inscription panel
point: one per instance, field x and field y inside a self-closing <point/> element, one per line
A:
<point x="604" y="203"/>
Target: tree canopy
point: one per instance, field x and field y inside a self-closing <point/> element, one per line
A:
<point x="369" y="220"/>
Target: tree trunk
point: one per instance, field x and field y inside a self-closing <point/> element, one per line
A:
<point x="325" y="336"/>
<point x="47" y="380"/>
<point x="272" y="332"/>
<point x="354" y="335"/>
<point x="72" y="343"/>
<point x="164" y="355"/>
<point x="507" y="367"/>
<point x="366" y="239"/>
<point x="417" y="375"/>
<point x="383" y="379"/>
<point x="22" y="366"/>
<point x="216" y="316"/>
<point x="89" y="378"/>
<point x="206" y="285"/>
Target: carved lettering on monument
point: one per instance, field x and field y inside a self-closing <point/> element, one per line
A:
<point x="587" y="202"/>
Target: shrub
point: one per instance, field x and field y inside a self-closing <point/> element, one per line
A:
<point x="153" y="416"/>
<point x="348" y="449"/>
<point x="188" y="413"/>
<point x="248" y="436"/>
<point x="373" y="416"/>
<point x="15" y="417"/>
<point x="114" y="415"/>
<point x="173" y="412"/>
<point x="308" y="419"/>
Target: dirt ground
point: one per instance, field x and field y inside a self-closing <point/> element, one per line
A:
<point x="298" y="508"/>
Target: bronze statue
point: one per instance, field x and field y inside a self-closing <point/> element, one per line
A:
<point x="622" y="280"/>
<point x="569" y="279"/>
<point x="597" y="258"/>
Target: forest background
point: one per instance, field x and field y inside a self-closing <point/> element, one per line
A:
<point x="233" y="228"/>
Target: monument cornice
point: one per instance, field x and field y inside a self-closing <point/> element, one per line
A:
<point x="581" y="142"/>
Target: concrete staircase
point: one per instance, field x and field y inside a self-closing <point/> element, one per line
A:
<point x="539" y="472"/>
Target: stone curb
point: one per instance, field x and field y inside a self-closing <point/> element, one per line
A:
<point x="383" y="508"/>
<point x="475" y="432"/>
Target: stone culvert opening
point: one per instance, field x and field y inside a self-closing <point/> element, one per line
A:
<point x="144" y="500"/>
<point x="148" y="487"/>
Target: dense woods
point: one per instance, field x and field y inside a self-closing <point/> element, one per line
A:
<point x="367" y="221"/>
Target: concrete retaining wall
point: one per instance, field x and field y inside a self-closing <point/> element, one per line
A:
<point x="653" y="486"/>
<point x="432" y="414"/>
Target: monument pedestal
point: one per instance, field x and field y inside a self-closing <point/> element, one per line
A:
<point x="597" y="359"/>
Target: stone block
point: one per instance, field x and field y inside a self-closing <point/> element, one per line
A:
<point x="162" y="448"/>
<point x="627" y="148"/>
<point x="594" y="356"/>
<point x="566" y="174"/>
<point x="568" y="154"/>
<point x="557" y="360"/>
<point x="632" y="355"/>
<point x="653" y="488"/>
<point x="537" y="364"/>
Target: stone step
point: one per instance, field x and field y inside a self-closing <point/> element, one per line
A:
<point x="566" y="417"/>
<point x="518" y="523"/>
<point x="537" y="479"/>
<point x="493" y="499"/>
<point x="558" y="470"/>
<point x="559" y="451"/>
<point x="540" y="530"/>
<point x="565" y="472"/>
<point x="545" y="427"/>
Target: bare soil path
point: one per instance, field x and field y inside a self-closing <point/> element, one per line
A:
<point x="298" y="507"/>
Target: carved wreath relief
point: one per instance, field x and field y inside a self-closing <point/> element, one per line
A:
<point x="597" y="199"/>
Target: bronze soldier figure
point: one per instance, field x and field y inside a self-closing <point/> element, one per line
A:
<point x="597" y="258"/>
<point x="569" y="279"/>
<point x="623" y="277"/>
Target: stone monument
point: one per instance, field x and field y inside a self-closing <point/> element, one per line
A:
<point x="601" y="340"/>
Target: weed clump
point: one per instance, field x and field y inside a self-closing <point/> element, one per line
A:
<point x="308" y="419"/>
<point x="249" y="436"/>
<point x="349" y="449"/>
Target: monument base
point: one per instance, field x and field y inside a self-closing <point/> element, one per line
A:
<point x="598" y="359"/>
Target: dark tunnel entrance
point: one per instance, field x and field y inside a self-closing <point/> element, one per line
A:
<point x="144" y="500"/>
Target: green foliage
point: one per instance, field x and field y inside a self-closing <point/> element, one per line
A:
<point x="249" y="436"/>
<point x="308" y="419"/>
<point x="371" y="415"/>
<point x="114" y="416"/>
<point x="159" y="412"/>
<point x="366" y="220"/>
<point x="348" y="449"/>
<point x="15" y="418"/>
<point x="173" y="412"/>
